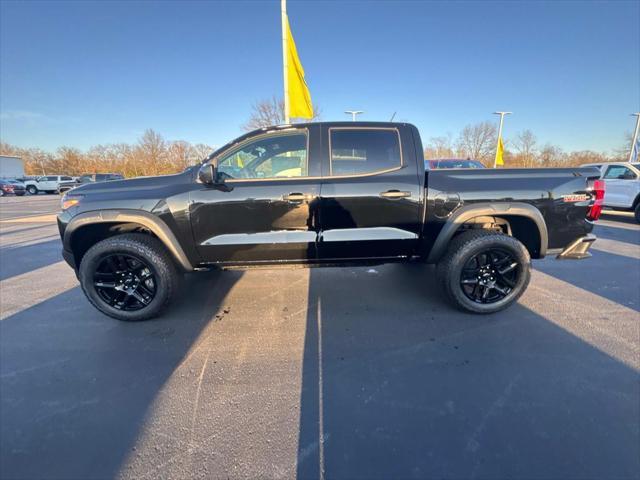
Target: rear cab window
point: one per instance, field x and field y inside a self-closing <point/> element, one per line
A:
<point x="363" y="151"/>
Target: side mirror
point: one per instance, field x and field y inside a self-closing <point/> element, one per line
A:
<point x="208" y="174"/>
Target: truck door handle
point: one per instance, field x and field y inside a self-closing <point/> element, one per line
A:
<point x="392" y="194"/>
<point x="295" y="197"/>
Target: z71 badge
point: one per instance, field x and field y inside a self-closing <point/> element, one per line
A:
<point x="583" y="197"/>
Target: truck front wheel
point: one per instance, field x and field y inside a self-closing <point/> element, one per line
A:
<point x="484" y="271"/>
<point x="129" y="277"/>
<point x="32" y="189"/>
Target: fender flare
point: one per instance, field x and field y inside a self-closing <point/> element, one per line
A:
<point x="146" y="219"/>
<point x="466" y="213"/>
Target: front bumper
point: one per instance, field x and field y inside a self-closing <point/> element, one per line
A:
<point x="578" y="249"/>
<point x="69" y="258"/>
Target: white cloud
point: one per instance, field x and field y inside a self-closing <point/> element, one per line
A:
<point x="21" y="115"/>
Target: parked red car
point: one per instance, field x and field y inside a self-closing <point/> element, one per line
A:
<point x="11" y="187"/>
<point x="452" y="163"/>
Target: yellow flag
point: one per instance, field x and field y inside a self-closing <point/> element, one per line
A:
<point x="499" y="152"/>
<point x="299" y="96"/>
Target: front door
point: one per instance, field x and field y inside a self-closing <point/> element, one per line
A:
<point x="370" y="205"/>
<point x="266" y="209"/>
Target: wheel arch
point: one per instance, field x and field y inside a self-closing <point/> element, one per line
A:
<point x="522" y="218"/>
<point x="86" y="229"/>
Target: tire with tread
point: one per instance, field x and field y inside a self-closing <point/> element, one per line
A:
<point x="32" y="189"/>
<point x="145" y="247"/>
<point x="636" y="212"/>
<point x="464" y="247"/>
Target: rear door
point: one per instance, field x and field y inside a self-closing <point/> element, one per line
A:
<point x="370" y="205"/>
<point x="620" y="186"/>
<point x="266" y="211"/>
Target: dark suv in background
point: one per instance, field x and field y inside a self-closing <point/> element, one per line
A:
<point x="92" y="178"/>
<point x="99" y="177"/>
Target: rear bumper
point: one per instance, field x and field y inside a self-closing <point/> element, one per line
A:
<point x="578" y="249"/>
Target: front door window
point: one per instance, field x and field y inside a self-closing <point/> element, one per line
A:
<point x="273" y="156"/>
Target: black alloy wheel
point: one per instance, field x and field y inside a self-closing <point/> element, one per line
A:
<point x="484" y="271"/>
<point x="125" y="282"/>
<point x="489" y="276"/>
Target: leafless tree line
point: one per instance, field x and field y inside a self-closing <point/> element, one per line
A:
<point x="151" y="155"/>
<point x="478" y="142"/>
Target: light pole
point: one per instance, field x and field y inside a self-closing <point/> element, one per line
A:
<point x="283" y="18"/>
<point x="353" y="114"/>
<point x="502" y="114"/>
<point x="635" y="137"/>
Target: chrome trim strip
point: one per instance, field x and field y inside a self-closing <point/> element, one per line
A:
<point x="275" y="237"/>
<point x="366" y="234"/>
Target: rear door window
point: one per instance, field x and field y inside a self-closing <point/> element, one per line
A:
<point x="615" y="172"/>
<point x="363" y="151"/>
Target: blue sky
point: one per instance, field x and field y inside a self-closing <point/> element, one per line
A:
<point x="84" y="73"/>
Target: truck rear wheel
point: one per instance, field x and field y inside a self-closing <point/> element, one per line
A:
<point x="484" y="271"/>
<point x="129" y="277"/>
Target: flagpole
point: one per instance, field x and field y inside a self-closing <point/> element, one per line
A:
<point x="635" y="137"/>
<point x="283" y="13"/>
<point x="502" y="114"/>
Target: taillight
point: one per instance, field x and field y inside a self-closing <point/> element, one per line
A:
<point x="596" y="209"/>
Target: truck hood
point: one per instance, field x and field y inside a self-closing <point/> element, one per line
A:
<point x="137" y="184"/>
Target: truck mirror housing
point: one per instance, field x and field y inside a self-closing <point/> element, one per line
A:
<point x="208" y="174"/>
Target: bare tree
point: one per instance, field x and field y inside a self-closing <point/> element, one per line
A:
<point x="152" y="150"/>
<point x="179" y="155"/>
<point x="201" y="151"/>
<point x="439" y="147"/>
<point x="621" y="154"/>
<point x="551" y="155"/>
<point x="153" y="155"/>
<point x="266" y="113"/>
<point x="525" y="145"/>
<point x="478" y="141"/>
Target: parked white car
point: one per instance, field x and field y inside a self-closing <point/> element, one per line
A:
<point x="47" y="184"/>
<point x="622" y="185"/>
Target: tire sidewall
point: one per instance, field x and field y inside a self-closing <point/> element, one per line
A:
<point x="32" y="190"/>
<point x="501" y="242"/>
<point x="99" y="252"/>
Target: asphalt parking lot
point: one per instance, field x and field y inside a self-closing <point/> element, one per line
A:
<point x="319" y="373"/>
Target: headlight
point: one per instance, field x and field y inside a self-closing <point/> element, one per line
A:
<point x="69" y="201"/>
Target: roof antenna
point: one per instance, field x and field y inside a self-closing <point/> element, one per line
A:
<point x="393" y="116"/>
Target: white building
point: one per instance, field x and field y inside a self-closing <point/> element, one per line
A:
<point x="11" y="167"/>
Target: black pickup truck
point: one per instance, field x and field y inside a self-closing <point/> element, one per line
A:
<point x="329" y="193"/>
